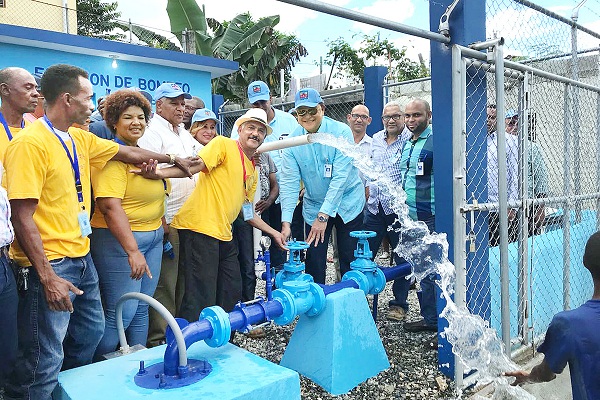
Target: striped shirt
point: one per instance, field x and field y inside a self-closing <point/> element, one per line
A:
<point x="387" y="157"/>
<point x="418" y="155"/>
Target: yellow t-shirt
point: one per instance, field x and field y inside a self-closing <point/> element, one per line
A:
<point x="4" y="138"/>
<point x="143" y="200"/>
<point x="220" y="192"/>
<point x="37" y="167"/>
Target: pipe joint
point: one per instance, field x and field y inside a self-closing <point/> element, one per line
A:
<point x="221" y="327"/>
<point x="299" y="297"/>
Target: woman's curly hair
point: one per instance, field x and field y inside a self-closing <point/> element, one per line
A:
<point x="117" y="102"/>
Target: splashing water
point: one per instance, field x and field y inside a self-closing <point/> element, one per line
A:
<point x="473" y="341"/>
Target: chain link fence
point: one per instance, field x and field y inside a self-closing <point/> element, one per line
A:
<point x="338" y="104"/>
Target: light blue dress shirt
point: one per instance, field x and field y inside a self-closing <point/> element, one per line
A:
<point x="342" y="193"/>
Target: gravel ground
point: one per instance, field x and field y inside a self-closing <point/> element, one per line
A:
<point x="413" y="372"/>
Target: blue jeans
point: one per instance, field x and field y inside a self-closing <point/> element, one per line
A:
<point x="379" y="223"/>
<point x="8" y="318"/>
<point x="316" y="257"/>
<point x="51" y="339"/>
<point x="113" y="270"/>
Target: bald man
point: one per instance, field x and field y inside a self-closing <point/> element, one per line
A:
<point x="19" y="95"/>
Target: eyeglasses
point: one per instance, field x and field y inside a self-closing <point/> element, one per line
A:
<point x="395" y="117"/>
<point x="303" y="111"/>
<point x="361" y="116"/>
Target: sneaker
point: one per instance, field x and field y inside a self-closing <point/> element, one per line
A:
<point x="257" y="333"/>
<point x="396" y="313"/>
<point x="419" y="326"/>
<point x="384" y="255"/>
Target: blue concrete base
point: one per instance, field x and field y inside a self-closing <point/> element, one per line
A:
<point x="339" y="348"/>
<point x="236" y="374"/>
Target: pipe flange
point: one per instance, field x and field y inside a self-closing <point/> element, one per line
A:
<point x="318" y="300"/>
<point x="378" y="282"/>
<point x="287" y="303"/>
<point x="221" y="326"/>
<point x="361" y="280"/>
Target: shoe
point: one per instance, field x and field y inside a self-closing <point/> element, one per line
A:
<point x="432" y="343"/>
<point x="419" y="326"/>
<point x="396" y="313"/>
<point x="384" y="255"/>
<point x="257" y="333"/>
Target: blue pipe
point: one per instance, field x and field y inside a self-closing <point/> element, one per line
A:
<point x="256" y="313"/>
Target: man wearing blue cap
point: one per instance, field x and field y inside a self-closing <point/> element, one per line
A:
<point x="283" y="124"/>
<point x="165" y="133"/>
<point x="334" y="194"/>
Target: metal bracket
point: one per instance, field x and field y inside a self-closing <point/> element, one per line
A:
<point x="444" y="27"/>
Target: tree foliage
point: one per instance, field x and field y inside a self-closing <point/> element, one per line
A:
<point x="97" y="19"/>
<point x="351" y="62"/>
<point x="257" y="46"/>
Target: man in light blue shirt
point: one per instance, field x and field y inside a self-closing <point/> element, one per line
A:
<point x="282" y="124"/>
<point x="334" y="194"/>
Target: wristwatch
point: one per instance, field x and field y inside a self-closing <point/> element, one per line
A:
<point x="321" y="218"/>
<point x="171" y="158"/>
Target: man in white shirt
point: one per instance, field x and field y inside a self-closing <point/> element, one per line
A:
<point x="165" y="133"/>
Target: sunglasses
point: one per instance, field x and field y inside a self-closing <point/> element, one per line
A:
<point x="310" y="111"/>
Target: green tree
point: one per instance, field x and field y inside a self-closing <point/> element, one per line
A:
<point x="260" y="50"/>
<point x="351" y="62"/>
<point x="98" y="19"/>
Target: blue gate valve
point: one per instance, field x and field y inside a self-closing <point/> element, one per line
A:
<point x="293" y="269"/>
<point x="299" y="297"/>
<point x="363" y="270"/>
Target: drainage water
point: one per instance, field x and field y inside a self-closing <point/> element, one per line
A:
<point x="473" y="341"/>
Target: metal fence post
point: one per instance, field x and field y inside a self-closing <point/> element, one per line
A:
<point x="566" y="219"/>
<point x="575" y="123"/>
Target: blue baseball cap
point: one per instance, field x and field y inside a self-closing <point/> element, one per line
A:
<point x="203" y="114"/>
<point x="170" y="90"/>
<point x="511" y="114"/>
<point x="257" y="91"/>
<point x="307" y="97"/>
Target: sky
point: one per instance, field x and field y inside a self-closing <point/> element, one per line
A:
<point x="315" y="29"/>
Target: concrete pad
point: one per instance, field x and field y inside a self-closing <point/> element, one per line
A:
<point x="236" y="374"/>
<point x="341" y="347"/>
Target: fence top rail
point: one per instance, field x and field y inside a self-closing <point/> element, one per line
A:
<point x="408" y="82"/>
<point x="526" y="68"/>
<point x="367" y="19"/>
<point x="557" y="17"/>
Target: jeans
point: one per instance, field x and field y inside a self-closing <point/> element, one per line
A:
<point x="379" y="223"/>
<point x="212" y="273"/>
<point x="244" y="240"/>
<point x="49" y="339"/>
<point x="316" y="257"/>
<point x="113" y="271"/>
<point x="8" y="318"/>
<point x="169" y="291"/>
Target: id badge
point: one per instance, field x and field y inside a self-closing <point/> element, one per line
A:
<point x="84" y="223"/>
<point x="247" y="211"/>
<point x="327" y="170"/>
<point x="420" y="169"/>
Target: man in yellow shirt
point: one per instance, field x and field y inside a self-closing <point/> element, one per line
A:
<point x="225" y="187"/>
<point x="48" y="182"/>
<point x="19" y="95"/>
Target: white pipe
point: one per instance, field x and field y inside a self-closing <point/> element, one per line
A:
<point x="284" y="144"/>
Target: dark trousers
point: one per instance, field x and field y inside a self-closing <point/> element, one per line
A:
<point x="316" y="257"/>
<point x="243" y="238"/>
<point x="212" y="273"/>
<point x="272" y="216"/>
<point x="379" y="223"/>
<point x="8" y="317"/>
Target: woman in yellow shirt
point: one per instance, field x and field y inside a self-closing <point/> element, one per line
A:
<point x="126" y="242"/>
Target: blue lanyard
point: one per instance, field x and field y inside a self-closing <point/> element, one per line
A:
<point x="7" y="129"/>
<point x="73" y="160"/>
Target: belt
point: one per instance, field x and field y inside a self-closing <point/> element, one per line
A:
<point x="4" y="250"/>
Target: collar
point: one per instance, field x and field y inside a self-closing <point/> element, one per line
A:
<point x="365" y="139"/>
<point x="166" y="124"/>
<point x="424" y="135"/>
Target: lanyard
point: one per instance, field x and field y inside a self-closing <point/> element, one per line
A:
<point x="7" y="129"/>
<point x="244" y="168"/>
<point x="72" y="159"/>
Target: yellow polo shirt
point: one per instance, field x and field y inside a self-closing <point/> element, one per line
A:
<point x="37" y="167"/>
<point x="220" y="192"/>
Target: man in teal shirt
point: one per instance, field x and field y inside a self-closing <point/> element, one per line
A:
<point x="334" y="194"/>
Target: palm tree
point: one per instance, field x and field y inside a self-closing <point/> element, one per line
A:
<point x="260" y="50"/>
